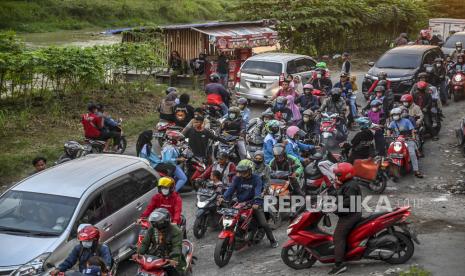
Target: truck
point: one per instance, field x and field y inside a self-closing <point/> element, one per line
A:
<point x="443" y="26"/>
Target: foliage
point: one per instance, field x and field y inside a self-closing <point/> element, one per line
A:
<point x="416" y="271"/>
<point x="323" y="26"/>
<point x="447" y="8"/>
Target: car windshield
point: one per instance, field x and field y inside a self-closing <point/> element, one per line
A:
<point x="28" y="213"/>
<point x="399" y="61"/>
<point x="264" y="68"/>
<point x="450" y="43"/>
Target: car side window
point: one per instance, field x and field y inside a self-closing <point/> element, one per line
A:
<point x="291" y="67"/>
<point x="93" y="213"/>
<point x="120" y="193"/>
<point x="304" y="65"/>
<point x="145" y="181"/>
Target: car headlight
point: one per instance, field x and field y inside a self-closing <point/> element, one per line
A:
<point x="33" y="267"/>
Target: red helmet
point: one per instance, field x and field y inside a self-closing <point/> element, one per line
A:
<point x="88" y="233"/>
<point x="422" y="85"/>
<point x="344" y="171"/>
<point x="174" y="136"/>
<point x="425" y="33"/>
<point x="406" y="98"/>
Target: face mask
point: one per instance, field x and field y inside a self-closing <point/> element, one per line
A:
<point x="232" y="116"/>
<point x="396" y="117"/>
<point x="176" y="101"/>
<point x="318" y="76"/>
<point x="258" y="162"/>
<point x="279" y="106"/>
<point x="374" y="109"/>
<point x="306" y="119"/>
<point x="165" y="192"/>
<point x="406" y="104"/>
<point x="87" y="244"/>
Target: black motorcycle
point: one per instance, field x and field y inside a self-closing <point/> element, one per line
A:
<point x="207" y="210"/>
<point x="98" y="145"/>
<point x="73" y="150"/>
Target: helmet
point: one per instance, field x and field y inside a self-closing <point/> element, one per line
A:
<point x="242" y="101"/>
<point x="160" y="218"/>
<point x="458" y="44"/>
<point x="382" y="83"/>
<point x="321" y="65"/>
<point x="214" y="77"/>
<point x="376" y="102"/>
<point x="258" y="153"/>
<point x="166" y="182"/>
<point x="396" y="111"/>
<point x="73" y="149"/>
<point x="91" y="107"/>
<point x="422" y="85"/>
<point x="438" y="60"/>
<point x="236" y="110"/>
<point x="268" y="113"/>
<point x="336" y="91"/>
<point x="309" y="113"/>
<point x="343" y="171"/>
<point x="170" y="89"/>
<point x="292" y="131"/>
<point x="425" y="33"/>
<point x="382" y="75"/>
<point x="88" y="233"/>
<point x="174" y="136"/>
<point x="281" y="100"/>
<point x="272" y="126"/>
<point x="308" y="86"/>
<point x="406" y="98"/>
<point x="363" y="122"/>
<point x="222" y="155"/>
<point x="245" y="165"/>
<point x="279" y="151"/>
<point x="380" y="88"/>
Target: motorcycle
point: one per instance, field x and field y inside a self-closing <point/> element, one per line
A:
<point x="398" y="156"/>
<point x="457" y="86"/>
<point x="152" y="265"/>
<point x="98" y="145"/>
<point x="144" y="225"/>
<point x="206" y="210"/>
<point x="460" y="135"/>
<point x="194" y="166"/>
<point x="382" y="236"/>
<point x="230" y="147"/>
<point x="330" y="135"/>
<point x="73" y="150"/>
<point x="317" y="176"/>
<point x="239" y="230"/>
<point x="161" y="128"/>
<point x="279" y="187"/>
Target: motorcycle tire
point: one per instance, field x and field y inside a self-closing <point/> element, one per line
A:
<point x="379" y="184"/>
<point x="297" y="257"/>
<point x="200" y="227"/>
<point x="223" y="252"/>
<point x="123" y="143"/>
<point x="404" y="244"/>
<point x="456" y="98"/>
<point x="62" y="159"/>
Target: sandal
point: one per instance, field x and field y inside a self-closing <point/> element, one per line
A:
<point x="418" y="175"/>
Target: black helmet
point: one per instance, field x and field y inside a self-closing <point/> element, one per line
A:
<point x="422" y="75"/>
<point x="223" y="155"/>
<point x="170" y="89"/>
<point x="380" y="88"/>
<point x="91" y="107"/>
<point x="73" y="149"/>
<point x="214" y="77"/>
<point x="160" y="218"/>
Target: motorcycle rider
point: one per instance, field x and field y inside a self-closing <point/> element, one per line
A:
<point x="245" y="111"/>
<point x="281" y="111"/>
<point x="164" y="239"/>
<point x="381" y="81"/>
<point x="234" y="125"/>
<point x="217" y="94"/>
<point x="308" y="123"/>
<point x="199" y="111"/>
<point x="88" y="237"/>
<point x="170" y="155"/>
<point x="459" y="65"/>
<point x="293" y="146"/>
<point x="248" y="186"/>
<point x="224" y="166"/>
<point x="261" y="168"/>
<point x="200" y="137"/>
<point x="458" y="50"/>
<point x="344" y="84"/>
<point x="414" y="110"/>
<point x="347" y="190"/>
<point x="167" y="104"/>
<point x="337" y="104"/>
<point x="362" y="143"/>
<point x="321" y="80"/>
<point x="377" y="116"/>
<point x="307" y="100"/>
<point x="167" y="198"/>
<point x="403" y="126"/>
<point x="423" y="98"/>
<point x="271" y="139"/>
<point x="93" y="126"/>
<point x="424" y="38"/>
<point x="286" y="162"/>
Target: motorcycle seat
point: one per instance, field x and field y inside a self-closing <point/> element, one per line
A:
<point x="370" y="217"/>
<point x="186" y="248"/>
<point x="94" y="141"/>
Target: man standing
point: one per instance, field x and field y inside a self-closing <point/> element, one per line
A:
<point x="346" y="65"/>
<point x="223" y="69"/>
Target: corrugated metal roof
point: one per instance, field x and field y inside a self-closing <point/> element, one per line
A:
<point x="235" y="31"/>
<point x="210" y="24"/>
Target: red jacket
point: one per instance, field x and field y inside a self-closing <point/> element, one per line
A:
<point x="173" y="203"/>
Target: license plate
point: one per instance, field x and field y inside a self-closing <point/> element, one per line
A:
<point x="158" y="135"/>
<point x="258" y="85"/>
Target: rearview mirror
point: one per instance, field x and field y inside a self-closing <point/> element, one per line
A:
<point x="371" y="64"/>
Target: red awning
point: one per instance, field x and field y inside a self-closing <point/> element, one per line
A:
<point x="240" y="37"/>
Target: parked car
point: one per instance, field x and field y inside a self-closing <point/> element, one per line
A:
<point x="402" y="65"/>
<point x="449" y="46"/>
<point x="39" y="216"/>
<point x="261" y="75"/>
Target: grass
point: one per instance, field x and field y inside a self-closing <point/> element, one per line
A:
<point x="42" y="127"/>
<point x="52" y="15"/>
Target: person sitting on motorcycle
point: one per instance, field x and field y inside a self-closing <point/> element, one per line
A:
<point x="309" y="123"/>
<point x="261" y="168"/>
<point x="234" y="125"/>
<point x="403" y="126"/>
<point x="335" y="103"/>
<point x="414" y="110"/>
<point x="382" y="76"/>
<point x="164" y="239"/>
<point x="424" y="38"/>
<point x="181" y="116"/>
<point x="224" y="166"/>
<point x="94" y="128"/>
<point x="438" y="79"/>
<point x="362" y="143"/>
<point x="458" y="51"/>
<point x="216" y="178"/>
<point x="166" y="107"/>
<point x="281" y="111"/>
<point x="271" y="139"/>
<point x="320" y="79"/>
<point x="288" y="163"/>
<point x="293" y="146"/>
<point x="184" y="100"/>
<point x="423" y="98"/>
<point x="167" y="198"/>
<point x="88" y="246"/>
<point x="108" y="122"/>
<point x="307" y="100"/>
<point x="217" y="94"/>
<point x="95" y="266"/>
<point x="200" y="137"/>
<point x="377" y="116"/>
<point x="344" y="84"/>
<point x="248" y="186"/>
<point x="245" y="111"/>
<point x="198" y="112"/>
<point x="170" y="155"/>
<point x="459" y="65"/>
<point x="347" y="189"/>
<point x="267" y="116"/>
<point x="285" y="90"/>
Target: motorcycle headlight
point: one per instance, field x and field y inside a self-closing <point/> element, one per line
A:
<point x="326" y="134"/>
<point x="227" y="222"/>
<point x="397" y="146"/>
<point x="33" y="267"/>
<point x="202" y="204"/>
<point x="458" y="78"/>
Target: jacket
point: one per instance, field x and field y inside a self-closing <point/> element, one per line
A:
<point x="169" y="154"/>
<point x="339" y="107"/>
<point x="228" y="172"/>
<point x="268" y="145"/>
<point x="307" y="102"/>
<point x="345" y="192"/>
<point x="414" y="111"/>
<point x="264" y="172"/>
<point x="292" y="165"/>
<point x="346" y="88"/>
<point x="172" y="202"/>
<point x="166" y="245"/>
<point x="81" y="255"/>
<point x="294" y="147"/>
<point x="246" y="189"/>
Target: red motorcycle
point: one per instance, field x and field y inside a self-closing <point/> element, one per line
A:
<point x="161" y="128"/>
<point x="239" y="230"/>
<point x="457" y="86"/>
<point x="152" y="265"/>
<point x="330" y="135"/>
<point x="381" y="236"/>
<point x="399" y="157"/>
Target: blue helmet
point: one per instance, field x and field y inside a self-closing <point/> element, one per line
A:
<point x="363" y="122"/>
<point x="376" y="102"/>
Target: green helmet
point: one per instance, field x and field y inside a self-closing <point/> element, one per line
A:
<point x="272" y="126"/>
<point x="321" y="65"/>
<point x="245" y="165"/>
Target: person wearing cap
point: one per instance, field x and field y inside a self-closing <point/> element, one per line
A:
<point x="346" y="65"/>
<point x="200" y="137"/>
<point x="307" y="100"/>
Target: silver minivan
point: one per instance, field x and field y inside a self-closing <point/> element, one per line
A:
<point x="40" y="215"/>
<point x="260" y="76"/>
